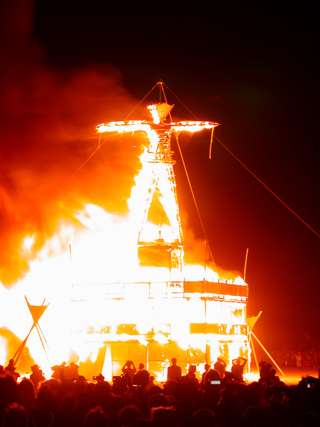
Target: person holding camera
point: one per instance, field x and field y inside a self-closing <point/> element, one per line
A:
<point x="141" y="378"/>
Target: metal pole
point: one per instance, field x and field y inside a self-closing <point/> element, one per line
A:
<point x="268" y="354"/>
<point x="254" y="352"/>
<point x="245" y="265"/>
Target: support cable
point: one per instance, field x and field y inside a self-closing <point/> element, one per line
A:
<point x="190" y="185"/>
<point x="79" y="168"/>
<point x="182" y="103"/>
<point x="42" y="343"/>
<point x="212" y="135"/>
<point x="142" y="100"/>
<point x="254" y="351"/>
<point x="248" y="170"/>
<point x="268" y="354"/>
<point x="194" y="198"/>
<point x="267" y="188"/>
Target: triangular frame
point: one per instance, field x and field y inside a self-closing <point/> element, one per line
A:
<point x="251" y="334"/>
<point x="36" y="312"/>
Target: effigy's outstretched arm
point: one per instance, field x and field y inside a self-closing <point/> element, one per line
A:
<point x="192" y="126"/>
<point x="124" y="126"/>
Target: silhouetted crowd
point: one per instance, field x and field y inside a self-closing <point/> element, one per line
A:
<point x="297" y="359"/>
<point x="219" y="398"/>
<point x="304" y="354"/>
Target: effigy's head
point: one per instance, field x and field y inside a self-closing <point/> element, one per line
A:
<point x="160" y="111"/>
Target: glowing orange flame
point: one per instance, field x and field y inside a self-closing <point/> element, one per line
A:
<point x="101" y="295"/>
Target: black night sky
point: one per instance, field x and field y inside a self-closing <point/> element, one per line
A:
<point x="252" y="68"/>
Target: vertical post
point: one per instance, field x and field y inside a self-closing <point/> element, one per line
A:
<point x="254" y="352"/>
<point x="211" y="140"/>
<point x="147" y="367"/>
<point x="205" y="260"/>
<point x="208" y="354"/>
<point x="245" y="265"/>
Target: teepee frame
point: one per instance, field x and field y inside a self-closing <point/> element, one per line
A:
<point x="36" y="313"/>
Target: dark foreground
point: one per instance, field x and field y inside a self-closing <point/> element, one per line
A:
<point x="293" y="375"/>
<point x="76" y="403"/>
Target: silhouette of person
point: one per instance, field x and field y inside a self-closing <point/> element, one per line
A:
<point x="212" y="379"/>
<point x="203" y="417"/>
<point x="207" y="368"/>
<point x="191" y="375"/>
<point x="264" y="369"/>
<point x="141" y="378"/>
<point x="59" y="371"/>
<point x="129" y="370"/>
<point x="238" y="367"/>
<point x="274" y="379"/>
<point x="220" y="366"/>
<point x="41" y="416"/>
<point x="96" y="417"/>
<point x="173" y="371"/>
<point x="37" y="376"/>
<point x="12" y="369"/>
<point x="71" y="371"/>
<point x="15" y="416"/>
